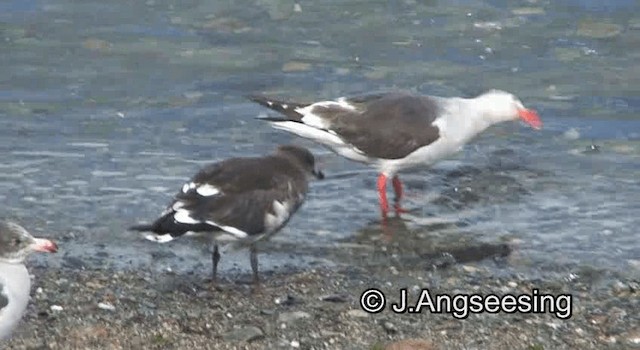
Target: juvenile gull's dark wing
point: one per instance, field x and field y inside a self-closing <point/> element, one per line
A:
<point x="241" y="196"/>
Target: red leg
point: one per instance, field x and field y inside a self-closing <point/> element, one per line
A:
<point x="397" y="187"/>
<point x="382" y="195"/>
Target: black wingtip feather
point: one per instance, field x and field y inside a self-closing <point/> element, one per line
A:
<point x="274" y="119"/>
<point x="143" y="228"/>
<point x="167" y="224"/>
<point x="286" y="108"/>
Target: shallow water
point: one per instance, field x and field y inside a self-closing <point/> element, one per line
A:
<point x="106" y="108"/>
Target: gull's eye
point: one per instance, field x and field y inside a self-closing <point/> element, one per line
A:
<point x="16" y="241"/>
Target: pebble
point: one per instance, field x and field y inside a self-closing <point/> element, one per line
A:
<point x="389" y="327"/>
<point x="288" y="317"/>
<point x="410" y="344"/>
<point x="245" y="334"/>
<point x="633" y="337"/>
<point x="295" y="344"/>
<point x="554" y="325"/>
<point x="469" y="269"/>
<point x="335" y="298"/>
<point x="357" y="313"/>
<point x="106" y="306"/>
<point x="287" y="300"/>
<point x="56" y="308"/>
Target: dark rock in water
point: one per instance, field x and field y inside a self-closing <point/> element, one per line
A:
<point x="465" y="170"/>
<point x="480" y="252"/>
<point x="504" y="152"/>
<point x="163" y="254"/>
<point x="102" y="254"/>
<point x="467" y="254"/>
<point x="245" y="334"/>
<point x="506" y="160"/>
<point x="457" y="198"/>
<point x="593" y="148"/>
<point x="73" y="262"/>
<point x="440" y="260"/>
<point x="484" y="186"/>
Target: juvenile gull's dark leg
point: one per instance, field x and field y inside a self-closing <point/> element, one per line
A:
<point x="215" y="258"/>
<point x="254" y="263"/>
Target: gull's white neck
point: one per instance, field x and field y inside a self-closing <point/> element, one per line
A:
<point x="466" y="118"/>
<point x="16" y="284"/>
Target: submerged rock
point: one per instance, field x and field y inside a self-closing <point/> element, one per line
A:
<point x="296" y="66"/>
<point x="598" y="30"/>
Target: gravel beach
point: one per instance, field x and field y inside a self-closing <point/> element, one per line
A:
<point x="319" y="308"/>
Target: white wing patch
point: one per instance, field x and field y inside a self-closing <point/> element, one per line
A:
<point x="174" y="207"/>
<point x="207" y="190"/>
<point x="316" y="121"/>
<point x="188" y="186"/>
<point x="234" y="231"/>
<point x="237" y="233"/>
<point x="159" y="238"/>
<point x="281" y="212"/>
<point x="184" y="217"/>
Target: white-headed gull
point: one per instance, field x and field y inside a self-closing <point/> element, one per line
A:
<point x="397" y="131"/>
<point x="238" y="199"/>
<point x="15" y="284"/>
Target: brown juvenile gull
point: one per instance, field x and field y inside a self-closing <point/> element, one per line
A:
<point x="240" y="200"/>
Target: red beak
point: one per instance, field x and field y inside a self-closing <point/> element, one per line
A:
<point x="44" y="245"/>
<point x="530" y="117"/>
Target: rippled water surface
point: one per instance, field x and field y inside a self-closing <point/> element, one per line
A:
<point x="106" y="108"/>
